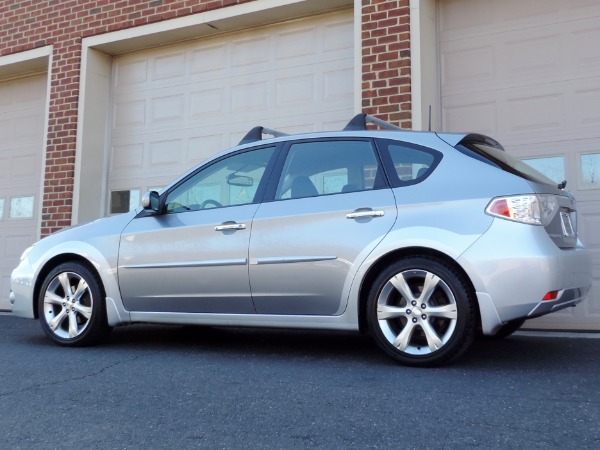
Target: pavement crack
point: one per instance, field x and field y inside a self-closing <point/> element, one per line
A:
<point x="77" y="378"/>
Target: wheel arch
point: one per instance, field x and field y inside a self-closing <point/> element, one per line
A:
<point x="52" y="263"/>
<point x="396" y="255"/>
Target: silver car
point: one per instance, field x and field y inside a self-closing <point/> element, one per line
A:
<point x="422" y="240"/>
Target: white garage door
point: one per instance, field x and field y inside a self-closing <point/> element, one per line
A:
<point x="528" y="74"/>
<point x="177" y="105"/>
<point x="21" y="142"/>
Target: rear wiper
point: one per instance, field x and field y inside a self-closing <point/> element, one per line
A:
<point x="562" y="185"/>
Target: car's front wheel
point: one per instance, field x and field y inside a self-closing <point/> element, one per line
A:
<point x="71" y="305"/>
<point x="421" y="312"/>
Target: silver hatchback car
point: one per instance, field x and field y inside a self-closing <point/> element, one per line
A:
<point x="421" y="239"/>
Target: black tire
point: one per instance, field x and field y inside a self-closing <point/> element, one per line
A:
<point x="71" y="306"/>
<point x="419" y="329"/>
<point x="507" y="329"/>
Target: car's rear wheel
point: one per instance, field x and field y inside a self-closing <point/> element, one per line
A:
<point x="71" y="305"/>
<point x="421" y="312"/>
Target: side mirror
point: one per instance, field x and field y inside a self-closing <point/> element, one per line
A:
<point x="151" y="201"/>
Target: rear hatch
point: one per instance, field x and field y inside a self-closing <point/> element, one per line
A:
<point x="562" y="228"/>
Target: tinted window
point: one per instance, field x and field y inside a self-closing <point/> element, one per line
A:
<point x="411" y="163"/>
<point x="503" y="160"/>
<point x="228" y="182"/>
<point x="328" y="167"/>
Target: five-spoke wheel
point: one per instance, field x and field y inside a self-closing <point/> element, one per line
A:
<point x="420" y="311"/>
<point x="71" y="305"/>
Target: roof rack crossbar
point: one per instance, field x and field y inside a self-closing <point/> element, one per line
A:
<point x="256" y="134"/>
<point x="359" y="123"/>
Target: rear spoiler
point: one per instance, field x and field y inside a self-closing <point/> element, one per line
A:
<point x="454" y="139"/>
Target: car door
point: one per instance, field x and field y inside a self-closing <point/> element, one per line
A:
<point x="328" y="209"/>
<point x="193" y="255"/>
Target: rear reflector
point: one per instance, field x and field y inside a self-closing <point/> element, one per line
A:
<point x="552" y="295"/>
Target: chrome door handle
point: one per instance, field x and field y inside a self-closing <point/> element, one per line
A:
<point x="359" y="214"/>
<point x="231" y="226"/>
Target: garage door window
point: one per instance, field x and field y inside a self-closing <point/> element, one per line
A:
<point x="21" y="208"/>
<point x="590" y="170"/>
<point x="124" y="201"/>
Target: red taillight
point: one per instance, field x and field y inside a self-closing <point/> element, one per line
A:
<point x="500" y="208"/>
<point x="552" y="295"/>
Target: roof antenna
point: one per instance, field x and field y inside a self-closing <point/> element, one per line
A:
<point x="429" y="117"/>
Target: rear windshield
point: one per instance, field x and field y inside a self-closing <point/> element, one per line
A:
<point x="499" y="158"/>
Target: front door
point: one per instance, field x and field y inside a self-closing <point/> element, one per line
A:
<point x="193" y="256"/>
<point x="331" y="207"/>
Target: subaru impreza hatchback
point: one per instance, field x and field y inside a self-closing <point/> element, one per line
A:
<point x="421" y="239"/>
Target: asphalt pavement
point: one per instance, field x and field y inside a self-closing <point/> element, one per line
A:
<point x="156" y="387"/>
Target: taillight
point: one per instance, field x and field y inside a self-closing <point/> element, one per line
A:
<point x="552" y="295"/>
<point x="532" y="209"/>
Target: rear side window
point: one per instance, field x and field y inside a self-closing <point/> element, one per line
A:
<point x="410" y="163"/>
<point x="330" y="167"/>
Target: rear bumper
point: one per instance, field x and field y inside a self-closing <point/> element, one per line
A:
<point x="513" y="266"/>
<point x="566" y="298"/>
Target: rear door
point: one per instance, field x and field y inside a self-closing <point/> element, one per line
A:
<point x="330" y="206"/>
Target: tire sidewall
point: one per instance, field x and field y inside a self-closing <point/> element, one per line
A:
<point x="464" y="331"/>
<point x="97" y="325"/>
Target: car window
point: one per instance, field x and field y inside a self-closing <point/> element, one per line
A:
<point x="228" y="182"/>
<point x="329" y="167"/>
<point x="411" y="163"/>
<point x="499" y="158"/>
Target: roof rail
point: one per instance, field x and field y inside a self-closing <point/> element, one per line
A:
<point x="256" y="134"/>
<point x="359" y="123"/>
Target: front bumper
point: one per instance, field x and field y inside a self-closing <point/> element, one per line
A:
<point x="21" y="294"/>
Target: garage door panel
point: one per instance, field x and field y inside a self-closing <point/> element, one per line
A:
<point x="128" y="114"/>
<point x="210" y="58"/>
<point x="170" y="66"/>
<point x="167" y="109"/>
<point x="462" y="65"/>
<point x="479" y="116"/>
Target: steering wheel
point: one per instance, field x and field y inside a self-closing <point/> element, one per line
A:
<point x="210" y="201"/>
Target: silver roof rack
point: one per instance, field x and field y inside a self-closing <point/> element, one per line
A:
<point x="359" y="123"/>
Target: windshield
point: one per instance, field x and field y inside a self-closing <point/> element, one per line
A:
<point x="500" y="158"/>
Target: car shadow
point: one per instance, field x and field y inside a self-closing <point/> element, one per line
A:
<point x="524" y="352"/>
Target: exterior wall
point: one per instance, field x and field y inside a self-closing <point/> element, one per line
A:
<point x="61" y="26"/>
<point x="386" y="69"/>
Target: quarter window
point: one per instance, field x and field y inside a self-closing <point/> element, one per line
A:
<point x="411" y="163"/>
<point x="329" y="167"/>
<point x="228" y="182"/>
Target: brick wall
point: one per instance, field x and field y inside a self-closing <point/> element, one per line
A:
<point x="386" y="60"/>
<point x="29" y="24"/>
